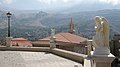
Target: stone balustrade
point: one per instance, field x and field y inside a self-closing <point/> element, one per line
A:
<point x="67" y="54"/>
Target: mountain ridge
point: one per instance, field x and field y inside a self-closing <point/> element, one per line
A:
<point x="84" y="22"/>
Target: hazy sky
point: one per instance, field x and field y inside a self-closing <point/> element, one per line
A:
<point x="52" y="4"/>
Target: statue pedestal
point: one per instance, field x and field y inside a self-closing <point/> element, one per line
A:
<point x="102" y="60"/>
<point x="101" y="51"/>
<point x="52" y="45"/>
<point x="52" y="42"/>
<point x="8" y="41"/>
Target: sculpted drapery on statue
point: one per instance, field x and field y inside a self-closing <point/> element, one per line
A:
<point x="101" y="39"/>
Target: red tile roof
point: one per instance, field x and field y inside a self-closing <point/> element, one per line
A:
<point x="21" y="42"/>
<point x="19" y="39"/>
<point x="67" y="37"/>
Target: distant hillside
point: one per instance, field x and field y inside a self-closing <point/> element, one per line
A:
<point x="84" y="22"/>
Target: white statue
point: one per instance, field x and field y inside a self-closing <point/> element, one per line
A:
<point x="52" y="33"/>
<point x="101" y="39"/>
<point x="52" y="39"/>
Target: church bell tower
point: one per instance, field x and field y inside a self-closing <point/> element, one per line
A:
<point x="71" y="27"/>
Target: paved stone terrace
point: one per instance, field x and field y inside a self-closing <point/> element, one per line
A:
<point x="33" y="59"/>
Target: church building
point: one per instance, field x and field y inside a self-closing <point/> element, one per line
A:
<point x="65" y="40"/>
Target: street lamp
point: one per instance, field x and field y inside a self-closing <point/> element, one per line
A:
<point x="8" y="39"/>
<point x="8" y="15"/>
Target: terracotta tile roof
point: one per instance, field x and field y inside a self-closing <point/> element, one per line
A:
<point x="67" y="37"/>
<point x="21" y="42"/>
<point x="19" y="39"/>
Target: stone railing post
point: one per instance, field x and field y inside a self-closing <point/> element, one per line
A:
<point x="8" y="41"/>
<point x="52" y="39"/>
<point x="89" y="49"/>
<point x="52" y="43"/>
